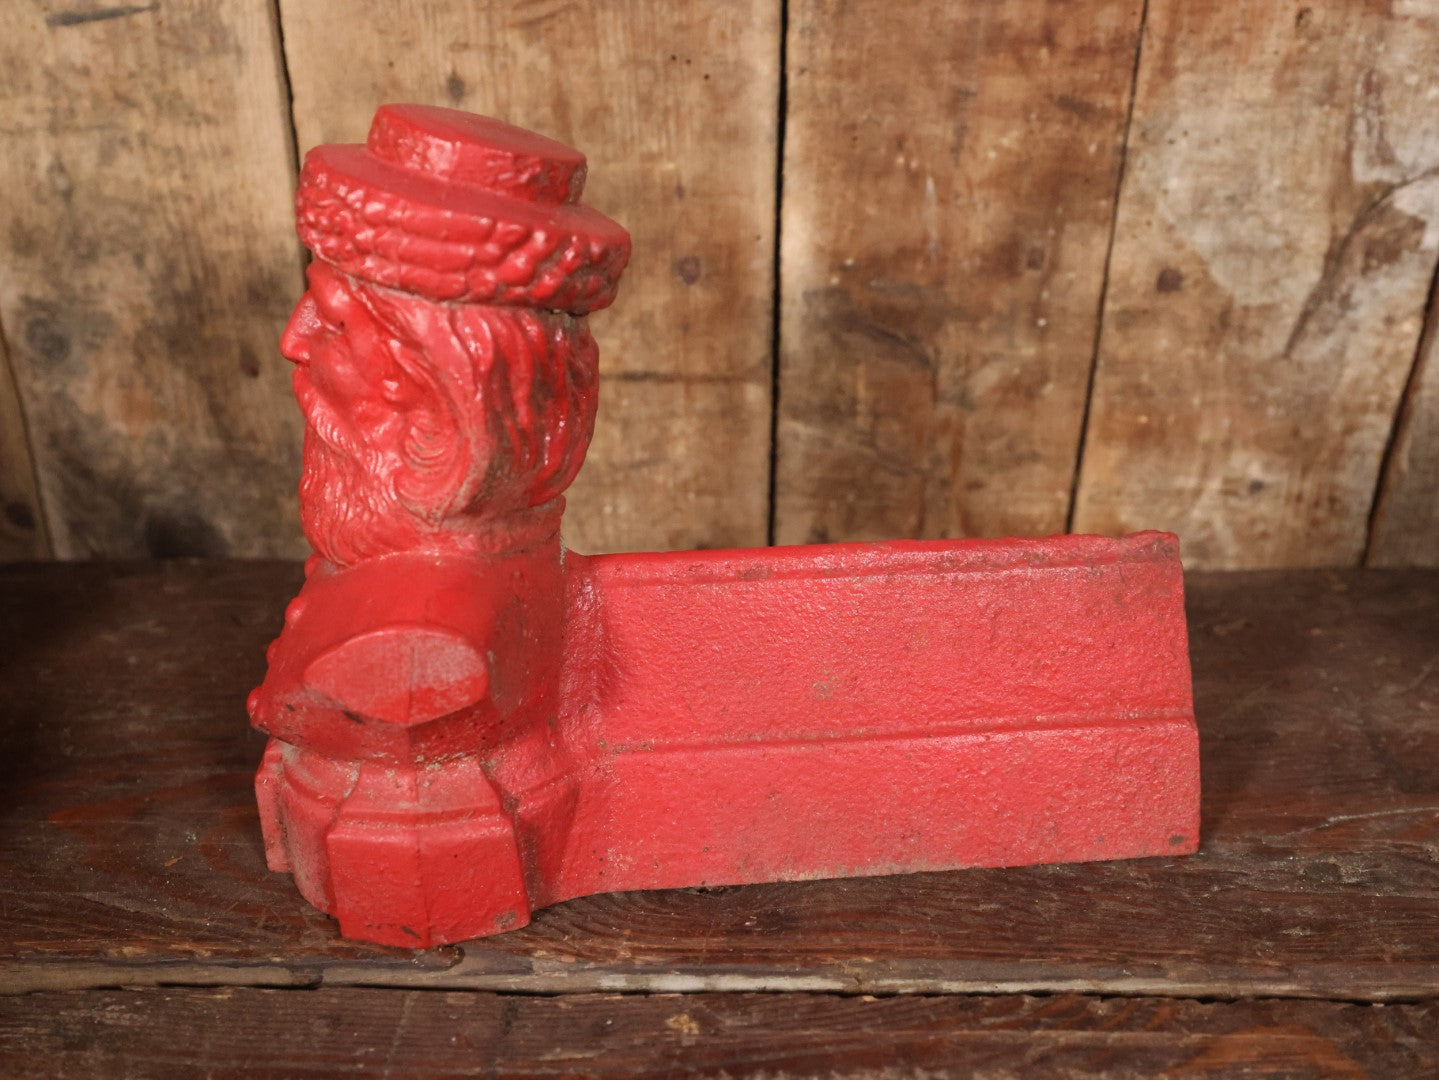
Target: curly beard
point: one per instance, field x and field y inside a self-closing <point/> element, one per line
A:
<point x="348" y="505"/>
<point x="348" y="516"/>
<point x="428" y="420"/>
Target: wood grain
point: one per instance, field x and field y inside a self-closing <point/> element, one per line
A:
<point x="1275" y="242"/>
<point x="1405" y="530"/>
<point x="949" y="184"/>
<point x="149" y="266"/>
<point x="675" y="107"/>
<point x="245" y="1033"/>
<point x="22" y="524"/>
<point x="130" y="849"/>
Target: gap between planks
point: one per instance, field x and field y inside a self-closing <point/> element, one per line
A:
<point x="1104" y="278"/>
<point x="554" y="978"/>
<point x="282" y="66"/>
<point x="776" y="312"/>
<point x="1428" y="329"/>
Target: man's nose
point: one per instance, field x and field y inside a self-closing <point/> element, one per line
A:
<point x="300" y="332"/>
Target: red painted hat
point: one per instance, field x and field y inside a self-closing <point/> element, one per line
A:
<point x="453" y="206"/>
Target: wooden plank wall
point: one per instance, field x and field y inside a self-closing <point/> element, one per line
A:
<point x="1275" y="243"/>
<point x="675" y="106"/>
<point x="949" y="185"/>
<point x="149" y="263"/>
<point x="1097" y="264"/>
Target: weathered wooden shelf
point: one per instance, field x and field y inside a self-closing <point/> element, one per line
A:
<point x="131" y="858"/>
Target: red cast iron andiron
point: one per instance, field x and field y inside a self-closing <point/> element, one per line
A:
<point x="468" y="722"/>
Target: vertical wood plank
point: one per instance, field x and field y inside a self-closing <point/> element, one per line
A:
<point x="148" y="264"/>
<point x="1405" y="530"/>
<point x="950" y="172"/>
<point x="1276" y="237"/>
<point x="674" y="104"/>
<point x="22" y="528"/>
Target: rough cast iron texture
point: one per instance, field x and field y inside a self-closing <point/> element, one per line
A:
<point x="469" y="722"/>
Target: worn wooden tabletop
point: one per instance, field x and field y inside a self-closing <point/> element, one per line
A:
<point x="143" y="936"/>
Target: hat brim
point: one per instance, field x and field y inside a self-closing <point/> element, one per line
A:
<point x="455" y="242"/>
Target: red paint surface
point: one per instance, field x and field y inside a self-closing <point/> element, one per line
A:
<point x="469" y="723"/>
